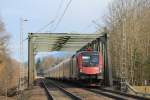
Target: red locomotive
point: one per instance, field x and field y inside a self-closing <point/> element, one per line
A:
<point x="86" y="66"/>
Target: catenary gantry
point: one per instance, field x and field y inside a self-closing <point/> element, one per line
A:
<point x="46" y="42"/>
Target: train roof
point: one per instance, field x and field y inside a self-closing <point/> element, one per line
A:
<point x="66" y="60"/>
<point x="85" y="51"/>
<point x="56" y="66"/>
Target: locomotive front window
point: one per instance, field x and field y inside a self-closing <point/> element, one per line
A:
<point x="90" y="59"/>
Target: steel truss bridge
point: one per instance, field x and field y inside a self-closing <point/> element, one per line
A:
<point x="47" y="42"/>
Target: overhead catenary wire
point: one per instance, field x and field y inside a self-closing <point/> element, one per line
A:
<point x="45" y="26"/>
<point x="56" y="16"/>
<point x="61" y="17"/>
<point x="97" y="27"/>
<point x="58" y="10"/>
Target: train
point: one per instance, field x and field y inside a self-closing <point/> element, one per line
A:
<point x="85" y="66"/>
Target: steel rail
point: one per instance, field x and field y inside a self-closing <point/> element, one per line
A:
<point x="107" y="94"/>
<point x="126" y="94"/>
<point x="117" y="94"/>
<point x="49" y="96"/>
<point x="73" y="96"/>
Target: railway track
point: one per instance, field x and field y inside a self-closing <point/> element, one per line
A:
<point x="49" y="96"/>
<point x="104" y="92"/>
<point x="78" y="93"/>
<point x="55" y="92"/>
<point x="117" y="94"/>
<point x="81" y="92"/>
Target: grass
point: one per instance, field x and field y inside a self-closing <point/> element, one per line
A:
<point x="143" y="89"/>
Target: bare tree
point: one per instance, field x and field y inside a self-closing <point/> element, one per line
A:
<point x="5" y="61"/>
<point x="128" y="24"/>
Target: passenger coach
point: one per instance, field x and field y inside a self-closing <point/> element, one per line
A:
<point x="86" y="66"/>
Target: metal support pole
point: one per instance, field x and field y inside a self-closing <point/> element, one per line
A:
<point x="22" y="83"/>
<point x="108" y="81"/>
<point x="123" y="73"/>
<point x="21" y="67"/>
<point x="110" y="78"/>
<point x="30" y="61"/>
<point x="104" y="48"/>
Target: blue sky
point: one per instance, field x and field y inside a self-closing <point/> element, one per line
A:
<point x="78" y="17"/>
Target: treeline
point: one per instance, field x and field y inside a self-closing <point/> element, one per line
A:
<point x="8" y="67"/>
<point x="128" y="24"/>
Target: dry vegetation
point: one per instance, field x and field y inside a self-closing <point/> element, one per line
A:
<point x="8" y="66"/>
<point x="128" y="25"/>
<point x="47" y="62"/>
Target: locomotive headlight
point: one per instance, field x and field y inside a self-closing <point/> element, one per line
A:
<point x="80" y="70"/>
<point x="100" y="70"/>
